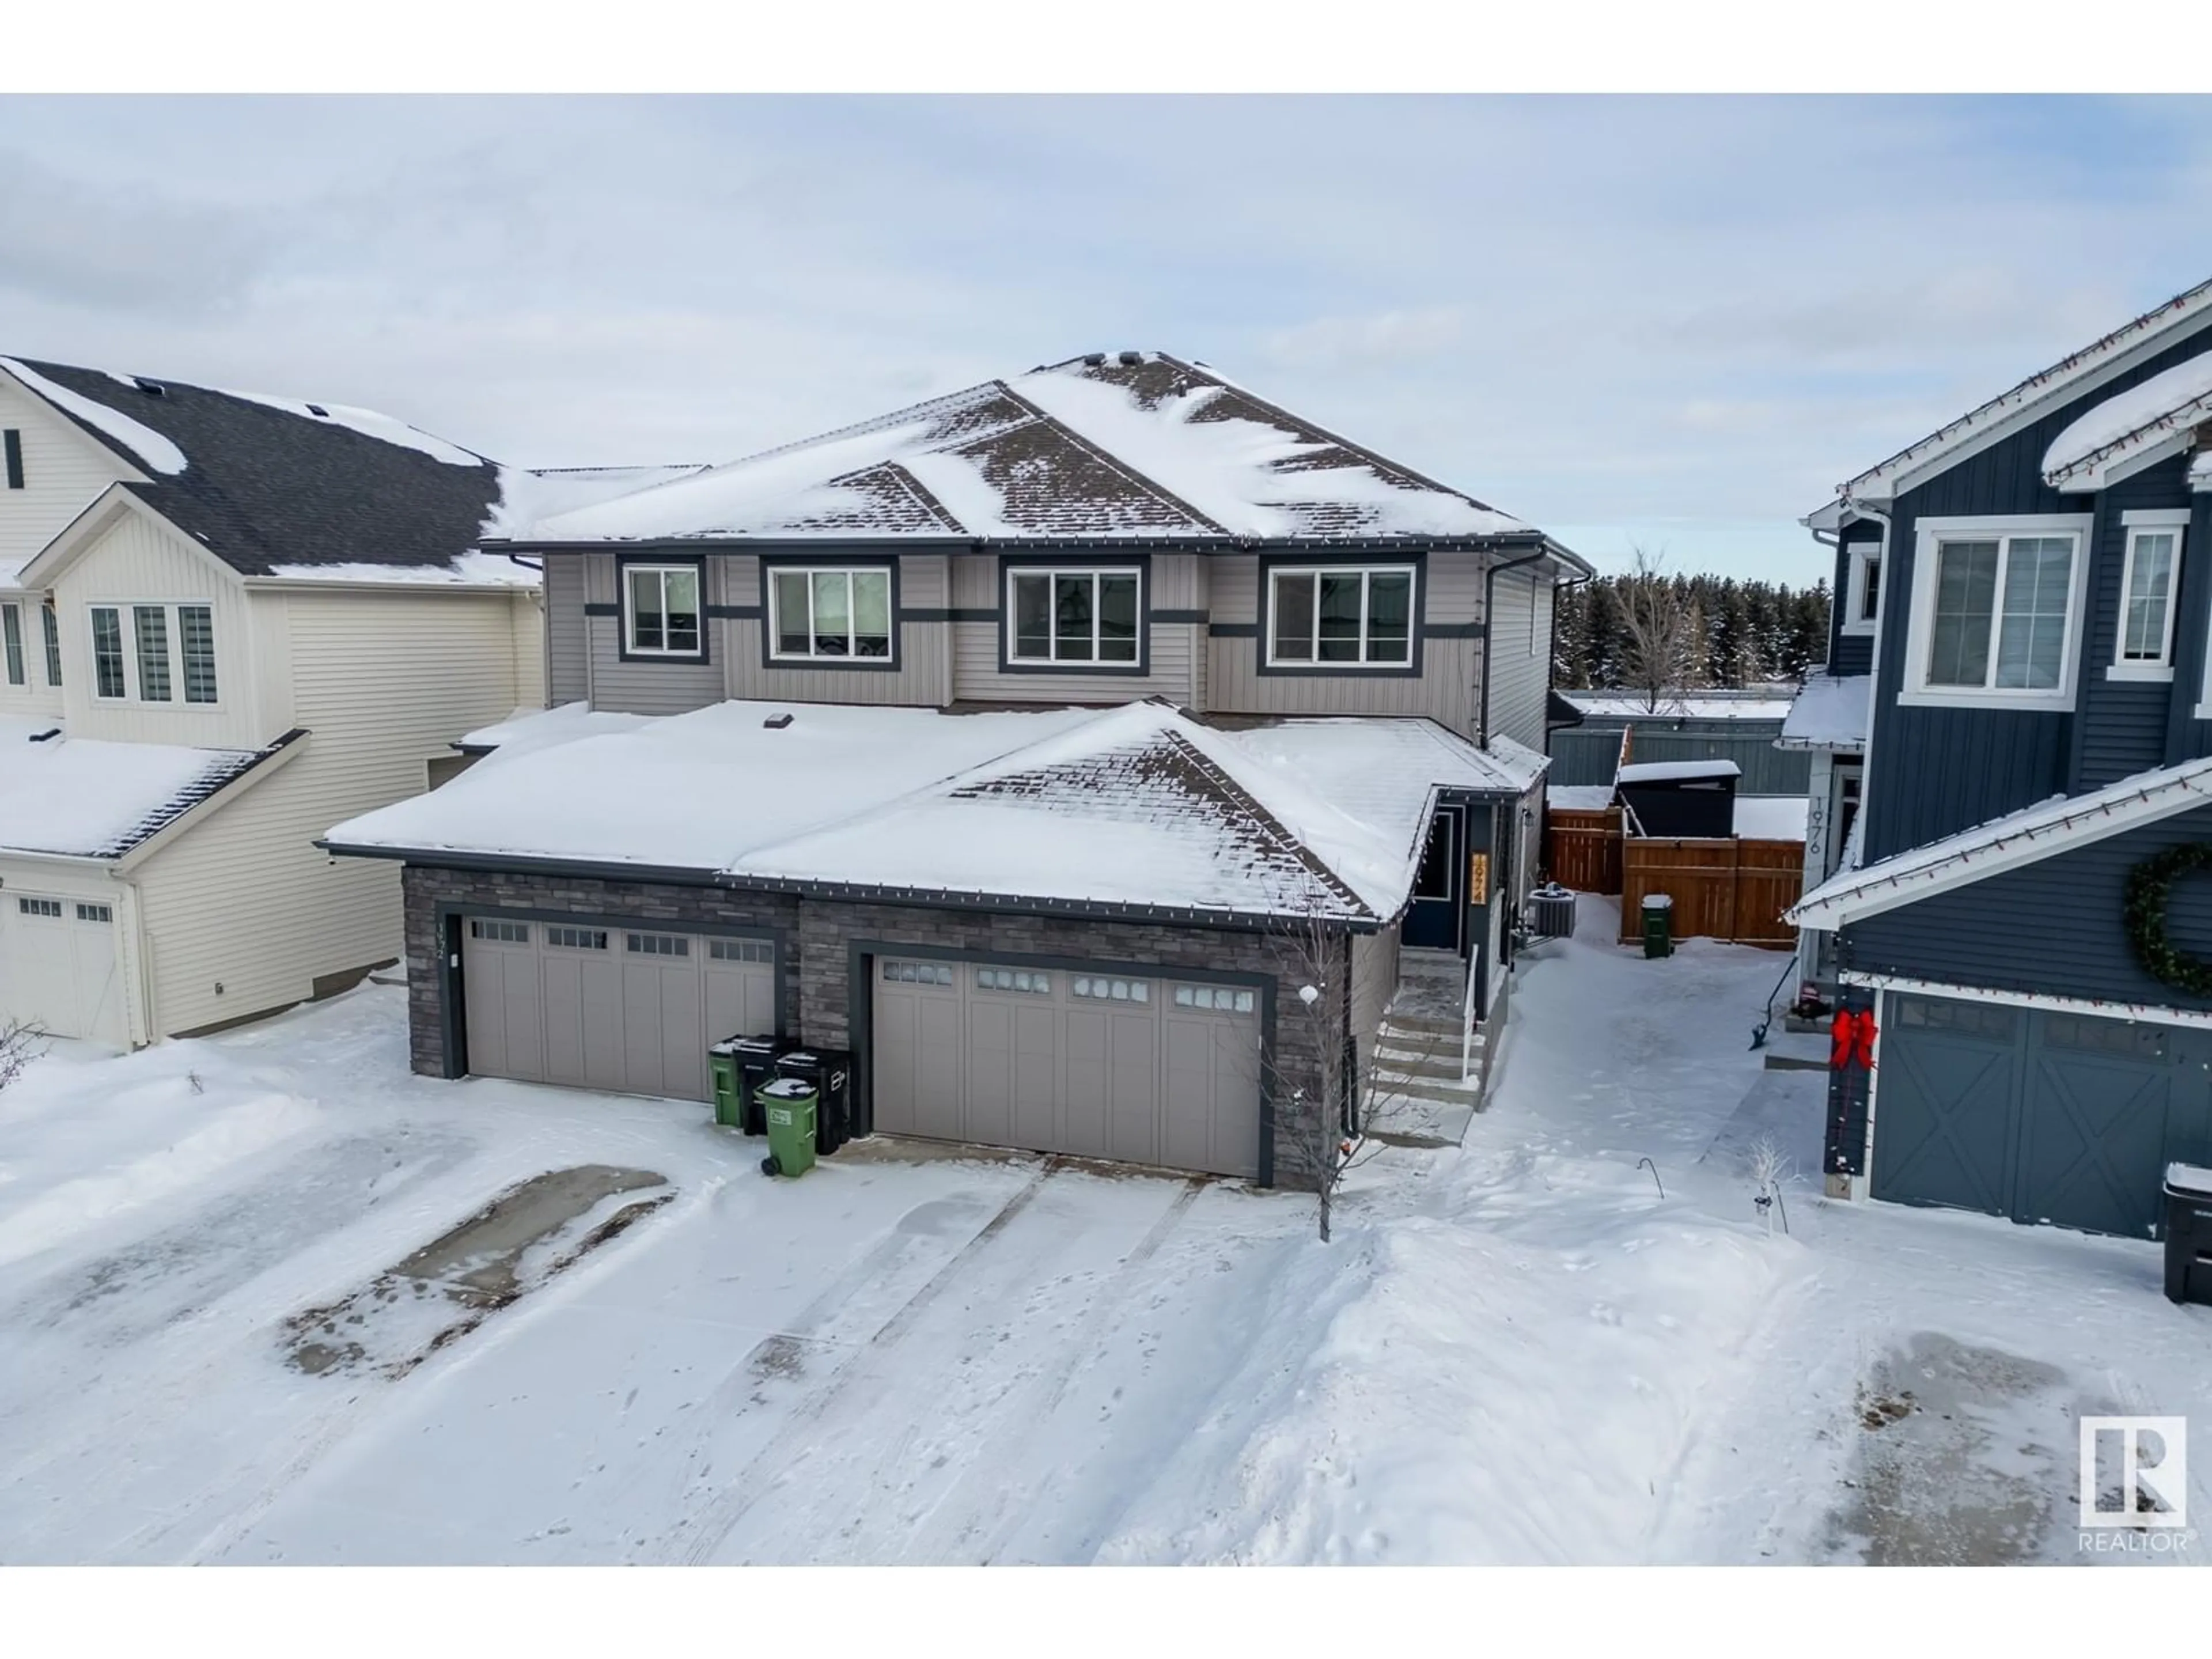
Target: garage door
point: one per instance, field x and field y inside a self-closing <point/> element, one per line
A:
<point x="2041" y="1117"/>
<point x="1137" y="1068"/>
<point x="607" y="1006"/>
<point x="59" y="969"/>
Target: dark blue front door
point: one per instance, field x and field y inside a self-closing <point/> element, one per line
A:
<point x="1439" y="908"/>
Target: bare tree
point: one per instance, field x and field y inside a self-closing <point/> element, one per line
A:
<point x="21" y="1042"/>
<point x="1331" y="1103"/>
<point x="1665" y="628"/>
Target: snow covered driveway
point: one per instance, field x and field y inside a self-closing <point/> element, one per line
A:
<point x="900" y="1358"/>
<point x="1518" y="1350"/>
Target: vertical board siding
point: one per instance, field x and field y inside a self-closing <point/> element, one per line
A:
<point x="1851" y="654"/>
<point x="567" y="647"/>
<point x="2054" y="926"/>
<point x="1936" y="771"/>
<point x="1520" y="676"/>
<point x="2123" y="725"/>
<point x="63" y="470"/>
<point x="2186" y="736"/>
<point x="139" y="558"/>
<point x="384" y="683"/>
<point x="1591" y="754"/>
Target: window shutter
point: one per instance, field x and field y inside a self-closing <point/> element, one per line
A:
<point x="11" y="441"/>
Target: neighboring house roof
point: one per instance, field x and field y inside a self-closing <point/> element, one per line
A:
<point x="1138" y="806"/>
<point x="1830" y="713"/>
<point x="1879" y="482"/>
<point x="1681" y="771"/>
<point x="1633" y="705"/>
<point x="278" y="486"/>
<point x="1578" y="797"/>
<point x="1139" y="446"/>
<point x="2027" y="836"/>
<point x="78" y="798"/>
<point x="2148" y="420"/>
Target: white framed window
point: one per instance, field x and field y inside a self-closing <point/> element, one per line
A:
<point x="657" y="944"/>
<point x="577" y="939"/>
<point x="1074" y="615"/>
<point x="661" y="615"/>
<point x="94" y="912"/>
<point x="51" y="624"/>
<point x="499" y="932"/>
<point x="151" y="651"/>
<point x="1341" y="616"/>
<point x="1222" y="999"/>
<point x="50" y="909"/>
<point x="740" y="950"/>
<point x="1996" y="612"/>
<point x="1862" y="589"/>
<point x="1014" y="979"/>
<point x="11" y="643"/>
<point x="2150" y="585"/>
<point x="919" y="973"/>
<point x="835" y="616"/>
<point x="1111" y="990"/>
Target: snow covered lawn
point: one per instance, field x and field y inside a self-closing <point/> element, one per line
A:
<point x="1517" y="1351"/>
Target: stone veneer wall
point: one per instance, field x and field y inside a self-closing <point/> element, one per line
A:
<point x="818" y="935"/>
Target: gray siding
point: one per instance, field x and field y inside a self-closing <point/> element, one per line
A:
<point x="2054" y="926"/>
<point x="1588" y="754"/>
<point x="1520" y="663"/>
<point x="923" y="678"/>
<point x="1939" y="771"/>
<point x="648" y="688"/>
<point x="1177" y="583"/>
<point x="1446" y="689"/>
<point x="566" y="649"/>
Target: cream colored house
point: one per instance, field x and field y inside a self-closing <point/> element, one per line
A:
<point x="226" y="622"/>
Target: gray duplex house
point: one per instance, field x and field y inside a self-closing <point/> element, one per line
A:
<point x="1004" y="740"/>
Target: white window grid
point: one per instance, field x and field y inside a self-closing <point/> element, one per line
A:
<point x="577" y="939"/>
<point x="500" y="932"/>
<point x="11" y="639"/>
<point x="94" y="912"/>
<point x="854" y="643"/>
<point x="1110" y="988"/>
<point x="1367" y="658"/>
<point x="2142" y="643"/>
<point x="2005" y="531"/>
<point x="1222" y="999"/>
<point x="158" y="652"/>
<point x="740" y="950"/>
<point x="667" y="583"/>
<point x="657" y="944"/>
<point x="1022" y="980"/>
<point x="918" y="973"/>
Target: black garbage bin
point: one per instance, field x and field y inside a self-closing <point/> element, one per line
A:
<point x="830" y="1071"/>
<point x="2188" y="1233"/>
<point x="755" y="1059"/>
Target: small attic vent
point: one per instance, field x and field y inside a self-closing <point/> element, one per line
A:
<point x="152" y="388"/>
<point x="318" y="409"/>
<point x="1131" y="359"/>
<point x="1095" y="359"/>
<point x="776" y="722"/>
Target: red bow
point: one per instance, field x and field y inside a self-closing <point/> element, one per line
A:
<point x="1851" y="1037"/>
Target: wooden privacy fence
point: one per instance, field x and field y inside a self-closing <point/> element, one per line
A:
<point x="1582" y="849"/>
<point x="1729" y="889"/>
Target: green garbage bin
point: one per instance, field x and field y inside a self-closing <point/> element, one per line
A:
<point x="729" y="1096"/>
<point x="788" y="1103"/>
<point x="1658" y="925"/>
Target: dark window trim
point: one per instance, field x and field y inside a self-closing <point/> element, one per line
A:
<point x="11" y="442"/>
<point x="768" y="564"/>
<point x="623" y="562"/>
<point x="957" y="613"/>
<point x="1140" y="562"/>
<point x="861" y="1011"/>
<point x="450" y="924"/>
<point x="1419" y="629"/>
<point x="1166" y="617"/>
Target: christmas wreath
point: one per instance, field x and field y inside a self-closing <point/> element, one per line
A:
<point x="2151" y="884"/>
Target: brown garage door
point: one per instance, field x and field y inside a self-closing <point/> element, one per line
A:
<point x="603" y="1004"/>
<point x="1112" y="1064"/>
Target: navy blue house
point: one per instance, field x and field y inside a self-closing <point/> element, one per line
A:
<point x="2015" y="731"/>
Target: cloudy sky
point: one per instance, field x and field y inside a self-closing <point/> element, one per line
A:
<point x="1671" y="321"/>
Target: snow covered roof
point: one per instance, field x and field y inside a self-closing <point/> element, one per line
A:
<point x="1830" y="713"/>
<point x="527" y="729"/>
<point x="2027" y="836"/>
<point x="1578" y="797"/>
<point x="278" y="486"/>
<point x="84" y="799"/>
<point x="1138" y="806"/>
<point x="1676" y="771"/>
<point x="2184" y="310"/>
<point x="2160" y="414"/>
<point x="1633" y="705"/>
<point x="1139" y="446"/>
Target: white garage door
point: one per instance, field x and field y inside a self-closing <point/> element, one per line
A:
<point x="609" y="1005"/>
<point x="1135" y="1068"/>
<point x="59" y="969"/>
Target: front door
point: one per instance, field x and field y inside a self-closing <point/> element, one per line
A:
<point x="1438" y="911"/>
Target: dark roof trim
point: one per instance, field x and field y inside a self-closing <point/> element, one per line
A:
<point x="935" y="542"/>
<point x="926" y="898"/>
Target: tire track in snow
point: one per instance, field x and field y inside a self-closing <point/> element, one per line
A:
<point x="694" y="1540"/>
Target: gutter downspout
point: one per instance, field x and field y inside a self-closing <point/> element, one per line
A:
<point x="1490" y="639"/>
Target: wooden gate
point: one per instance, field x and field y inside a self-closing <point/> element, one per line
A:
<point x="1730" y="889"/>
<point x="1582" y="849"/>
